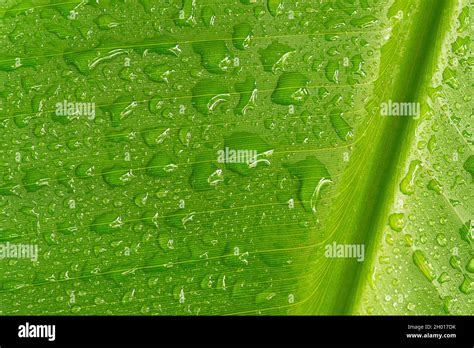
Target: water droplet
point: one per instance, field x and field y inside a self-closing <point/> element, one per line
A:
<point x="187" y="15"/>
<point x="164" y="44"/>
<point x="248" y="95"/>
<point x="397" y="221"/>
<point x="275" y="7"/>
<point x="244" y="152"/>
<point x="117" y="176"/>
<point x="314" y="178"/>
<point x="444" y="278"/>
<point x="203" y="167"/>
<point x="140" y="200"/>
<point x="434" y="185"/>
<point x="407" y="185"/>
<point x="275" y="56"/>
<point x="106" y="21"/>
<point x="332" y="71"/>
<point x="128" y="297"/>
<point x="161" y="165"/>
<point x="84" y="171"/>
<point x="469" y="166"/>
<point x="455" y="262"/>
<point x="208" y="16"/>
<point x="364" y="22"/>
<point x="422" y="263"/>
<point x="158" y="72"/>
<point x="441" y="239"/>
<point x="291" y="89"/>
<point x="120" y="109"/>
<point x="215" y="56"/>
<point x="467" y="286"/>
<point x="35" y="180"/>
<point x="343" y="130"/>
<point x="208" y="95"/>
<point x="470" y="265"/>
<point x="155" y="136"/>
<point x="107" y="223"/>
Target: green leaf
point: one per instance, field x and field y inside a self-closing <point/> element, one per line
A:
<point x="302" y="158"/>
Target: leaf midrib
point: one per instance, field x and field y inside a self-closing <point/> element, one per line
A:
<point x="387" y="153"/>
